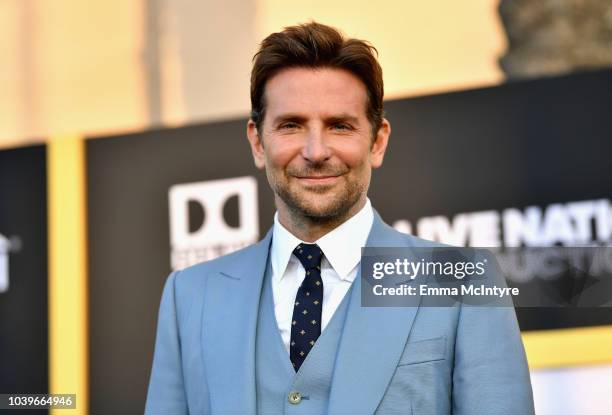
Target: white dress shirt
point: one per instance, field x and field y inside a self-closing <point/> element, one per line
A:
<point x="342" y="254"/>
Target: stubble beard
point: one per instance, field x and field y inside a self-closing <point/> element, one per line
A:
<point x="305" y="205"/>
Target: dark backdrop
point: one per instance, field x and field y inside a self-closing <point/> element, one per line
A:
<point x="515" y="145"/>
<point x="23" y="308"/>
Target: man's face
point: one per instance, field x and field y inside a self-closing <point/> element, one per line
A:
<point x="316" y="143"/>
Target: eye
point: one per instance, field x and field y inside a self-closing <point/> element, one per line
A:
<point x="342" y="127"/>
<point x="288" y="126"/>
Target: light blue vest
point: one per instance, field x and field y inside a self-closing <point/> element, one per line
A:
<point x="275" y="377"/>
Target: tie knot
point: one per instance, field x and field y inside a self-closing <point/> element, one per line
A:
<point x="310" y="255"/>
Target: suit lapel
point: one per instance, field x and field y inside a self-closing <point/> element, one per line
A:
<point x="229" y="323"/>
<point x="372" y="342"/>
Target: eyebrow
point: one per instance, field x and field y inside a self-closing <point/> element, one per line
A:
<point x="343" y="117"/>
<point x="289" y="117"/>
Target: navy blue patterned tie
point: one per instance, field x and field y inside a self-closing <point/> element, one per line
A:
<point x="306" y="322"/>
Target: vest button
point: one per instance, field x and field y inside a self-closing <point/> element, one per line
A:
<point x="295" y="397"/>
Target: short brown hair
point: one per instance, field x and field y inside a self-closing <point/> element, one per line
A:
<point x="314" y="45"/>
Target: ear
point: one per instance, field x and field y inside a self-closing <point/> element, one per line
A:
<point x="379" y="146"/>
<point x="256" y="143"/>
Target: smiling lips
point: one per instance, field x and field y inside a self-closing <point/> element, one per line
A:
<point x="318" y="179"/>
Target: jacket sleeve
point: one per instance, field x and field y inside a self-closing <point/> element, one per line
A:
<point x="490" y="373"/>
<point x="166" y="393"/>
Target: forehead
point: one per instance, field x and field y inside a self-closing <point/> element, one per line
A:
<point x="315" y="92"/>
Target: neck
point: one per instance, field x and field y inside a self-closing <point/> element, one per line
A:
<point x="310" y="229"/>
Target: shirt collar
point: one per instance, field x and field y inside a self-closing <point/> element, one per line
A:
<point x="342" y="246"/>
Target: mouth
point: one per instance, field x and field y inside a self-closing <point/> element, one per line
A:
<point x="318" y="179"/>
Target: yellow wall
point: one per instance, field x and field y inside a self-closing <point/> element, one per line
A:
<point x="80" y="66"/>
<point x="11" y="78"/>
<point x="69" y="66"/>
<point x="89" y="74"/>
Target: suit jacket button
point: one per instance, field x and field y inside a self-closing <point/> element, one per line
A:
<point x="295" y="397"/>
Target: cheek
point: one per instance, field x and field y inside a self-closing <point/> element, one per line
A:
<point x="279" y="155"/>
<point x="354" y="155"/>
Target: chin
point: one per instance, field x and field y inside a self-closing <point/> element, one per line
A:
<point x="324" y="212"/>
<point x="319" y="203"/>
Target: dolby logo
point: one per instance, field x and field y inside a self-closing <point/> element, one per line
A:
<point x="211" y="218"/>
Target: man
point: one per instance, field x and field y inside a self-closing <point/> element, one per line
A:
<point x="278" y="327"/>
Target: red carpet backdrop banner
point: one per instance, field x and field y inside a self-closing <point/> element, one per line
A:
<point x="522" y="164"/>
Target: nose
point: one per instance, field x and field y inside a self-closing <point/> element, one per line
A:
<point x="316" y="149"/>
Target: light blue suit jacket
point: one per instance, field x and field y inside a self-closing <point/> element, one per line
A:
<point x="402" y="360"/>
